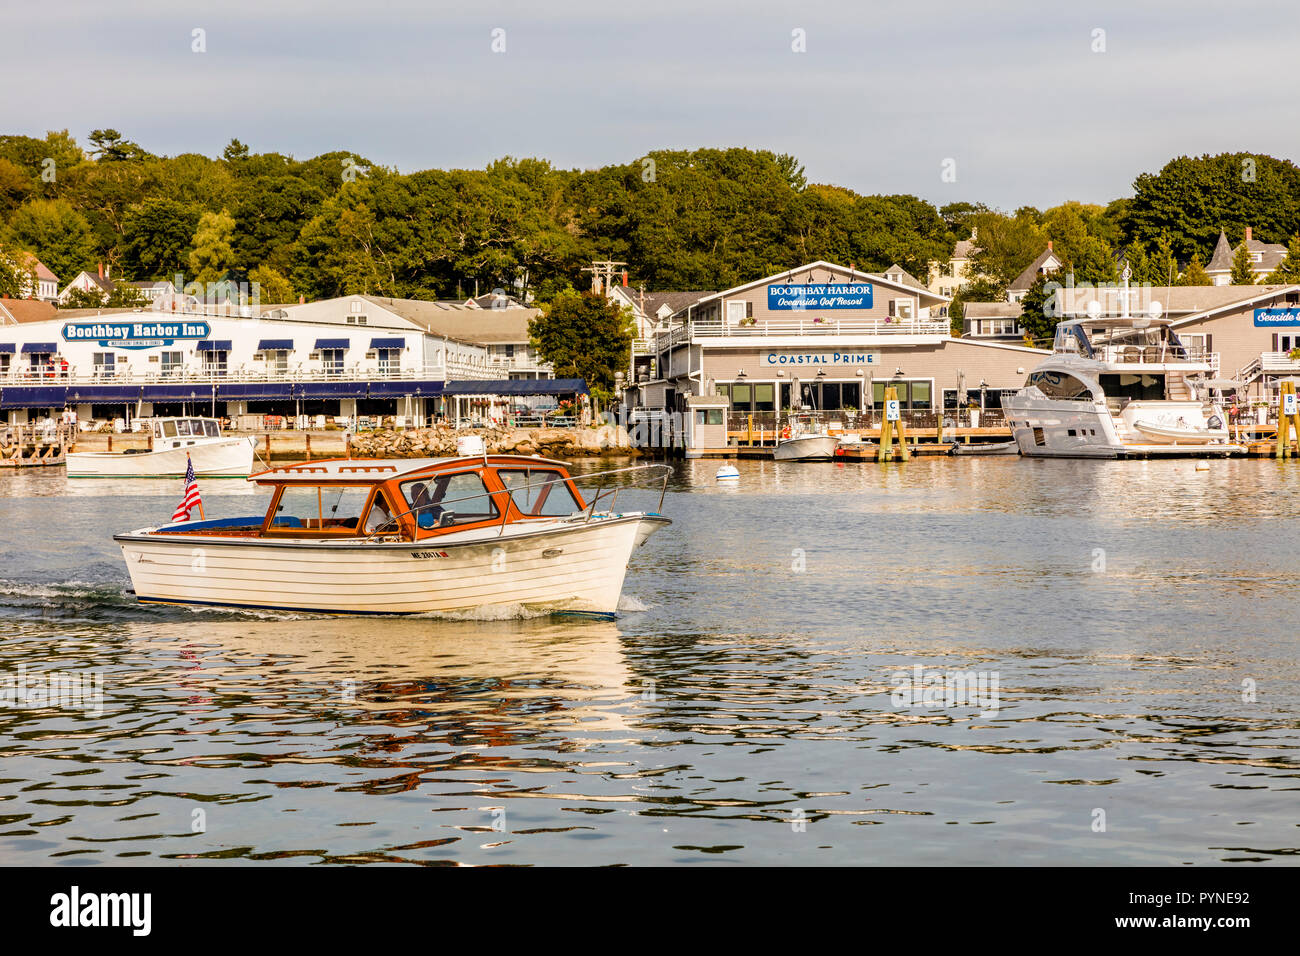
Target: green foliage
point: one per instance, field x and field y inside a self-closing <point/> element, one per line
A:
<point x="273" y="287"/>
<point x="126" y="296"/>
<point x="1195" y="273"/>
<point x="1039" y="317"/>
<point x="109" y="146"/>
<point x="584" y="335"/>
<point x="157" y="236"/>
<point x="1241" y="274"/>
<point x="14" y="278"/>
<point x="57" y="233"/>
<point x="83" y="299"/>
<point x="212" y="255"/>
<point x="977" y="290"/>
<point x="1191" y="199"/>
<point x="1288" y="270"/>
<point x="1007" y="244"/>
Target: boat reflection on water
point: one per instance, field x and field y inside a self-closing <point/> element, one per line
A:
<point x="506" y="681"/>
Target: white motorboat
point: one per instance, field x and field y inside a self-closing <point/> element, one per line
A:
<point x="174" y="442"/>
<point x="1118" y="387"/>
<point x="805" y="439"/>
<point x="372" y="536"/>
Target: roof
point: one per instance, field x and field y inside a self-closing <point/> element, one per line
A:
<point x="790" y="274"/>
<point x="992" y="310"/>
<point x="904" y="276"/>
<point x="373" y="469"/>
<point x="25" y="310"/>
<point x="1175" y="301"/>
<point x="964" y="248"/>
<point x="1026" y="279"/>
<point x="1221" y="261"/>
<point x="43" y="273"/>
<point x="676" y="301"/>
<point x="460" y="322"/>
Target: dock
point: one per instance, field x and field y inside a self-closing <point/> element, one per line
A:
<point x="33" y="446"/>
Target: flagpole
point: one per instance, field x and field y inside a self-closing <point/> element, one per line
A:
<point x="202" y="517"/>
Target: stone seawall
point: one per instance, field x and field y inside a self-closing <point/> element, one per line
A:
<point x="440" y="441"/>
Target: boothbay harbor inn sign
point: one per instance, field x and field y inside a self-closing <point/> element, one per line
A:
<point x="135" y="335"/>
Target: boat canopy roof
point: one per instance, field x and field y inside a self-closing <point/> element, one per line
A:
<point x="364" y="470"/>
<point x="1119" y="322"/>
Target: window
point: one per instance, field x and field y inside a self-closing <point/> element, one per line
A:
<point x="449" y="500"/>
<point x="104" y="364"/>
<point x="390" y="360"/>
<point x="332" y="361"/>
<point x="538" y="493"/>
<point x="318" y="506"/>
<point x="1060" y="386"/>
<point x="169" y="429"/>
<point x="765" y="397"/>
<point x="902" y="308"/>
<point x="172" y="362"/>
<point x="708" y="416"/>
<point x="735" y="311"/>
<point x="4" y="362"/>
<point x="214" y="363"/>
<point x="211" y="429"/>
<point x="741" y="395"/>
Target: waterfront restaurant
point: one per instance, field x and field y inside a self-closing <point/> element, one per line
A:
<point x="838" y="335"/>
<point x="344" y="360"/>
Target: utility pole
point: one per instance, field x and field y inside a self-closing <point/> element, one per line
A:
<point x="602" y="274"/>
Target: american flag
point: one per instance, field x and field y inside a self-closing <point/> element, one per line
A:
<point x="192" y="499"/>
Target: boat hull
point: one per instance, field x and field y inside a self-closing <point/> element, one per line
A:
<point x="216" y="457"/>
<point x="1054" y="428"/>
<point x="807" y="448"/>
<point x="571" y="566"/>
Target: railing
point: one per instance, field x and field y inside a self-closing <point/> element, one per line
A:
<point x="24" y="375"/>
<point x="1278" y="361"/>
<point x="815" y="325"/>
<point x="1156" y="355"/>
<point x="762" y="427"/>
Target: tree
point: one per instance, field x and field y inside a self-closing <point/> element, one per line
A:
<point x="1038" y="315"/>
<point x="272" y="287"/>
<point x="1241" y="274"/>
<point x="83" y="299"/>
<point x="1195" y="273"/>
<point x="1007" y="244"/>
<point x="109" y="146"/>
<point x="584" y="335"/>
<point x="17" y="272"/>
<point x="977" y="290"/>
<point x="58" y="235"/>
<point x="157" y="237"/>
<point x="1288" y="270"/>
<point x="126" y="296"/>
<point x="15" y="186"/>
<point x="235" y="151"/>
<point x="212" y="256"/>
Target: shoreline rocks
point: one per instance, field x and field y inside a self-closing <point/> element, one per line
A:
<point x="440" y="441"/>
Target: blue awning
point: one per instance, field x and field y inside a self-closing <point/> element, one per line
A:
<point x="333" y="343"/>
<point x="45" y="396"/>
<point x="214" y="345"/>
<point x="103" y="394"/>
<point x="245" y="391"/>
<point x="274" y="344"/>
<point x="178" y="393"/>
<point x="329" y="390"/>
<point x="402" y="389"/>
<point x="6" y="348"/>
<point x="40" y="347"/>
<point x="388" y="343"/>
<point x="517" y="386"/>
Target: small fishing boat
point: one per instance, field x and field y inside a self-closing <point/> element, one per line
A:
<point x="1179" y="431"/>
<point x="804" y="439"/>
<point x="174" y="443"/>
<point x="985" y="448"/>
<point x="378" y="536"/>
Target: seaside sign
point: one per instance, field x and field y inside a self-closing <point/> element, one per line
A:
<point x="815" y="360"/>
<point x="1277" y="318"/>
<point x="802" y="298"/>
<point x="135" y="335"/>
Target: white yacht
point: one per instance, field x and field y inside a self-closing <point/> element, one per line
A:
<point x="805" y="439"/>
<point x="174" y="443"/>
<point x="1119" y="387"/>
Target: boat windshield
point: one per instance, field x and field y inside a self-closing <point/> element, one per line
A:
<point x="540" y="493"/>
<point x="321" y="507"/>
<point x="444" y="501"/>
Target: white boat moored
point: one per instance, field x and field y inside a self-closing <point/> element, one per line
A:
<point x="175" y="443"/>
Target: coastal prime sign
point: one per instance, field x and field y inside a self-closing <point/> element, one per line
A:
<point x="782" y="359"/>
<point x="1277" y="318"/>
<point x="134" y="335"/>
<point x="848" y="295"/>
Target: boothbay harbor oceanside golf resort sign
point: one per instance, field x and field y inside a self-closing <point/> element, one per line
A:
<point x="851" y="295"/>
<point x="1277" y="318"/>
<point x="817" y="360"/>
<point x="134" y="335"/>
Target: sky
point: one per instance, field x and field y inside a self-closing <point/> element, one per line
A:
<point x="1007" y="103"/>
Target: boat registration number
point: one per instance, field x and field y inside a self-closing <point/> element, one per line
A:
<point x="429" y="554"/>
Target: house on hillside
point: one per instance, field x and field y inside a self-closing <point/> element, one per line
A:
<point x="1264" y="258"/>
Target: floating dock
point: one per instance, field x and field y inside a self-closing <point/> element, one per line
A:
<point x="31" y="446"/>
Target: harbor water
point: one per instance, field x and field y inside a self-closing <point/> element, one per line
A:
<point x="986" y="661"/>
